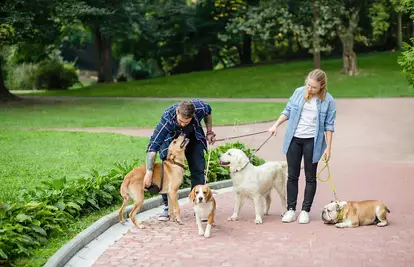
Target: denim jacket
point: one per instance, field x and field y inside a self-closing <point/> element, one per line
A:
<point x="325" y="120"/>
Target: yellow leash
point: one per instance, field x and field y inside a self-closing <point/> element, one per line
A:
<point x="208" y="164"/>
<point x="329" y="177"/>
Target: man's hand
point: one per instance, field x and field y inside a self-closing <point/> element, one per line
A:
<point x="148" y="179"/>
<point x="211" y="137"/>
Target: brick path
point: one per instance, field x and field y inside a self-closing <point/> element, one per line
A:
<point x="372" y="158"/>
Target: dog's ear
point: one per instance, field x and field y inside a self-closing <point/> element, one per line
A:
<point x="241" y="161"/>
<point x="191" y="196"/>
<point x="209" y="194"/>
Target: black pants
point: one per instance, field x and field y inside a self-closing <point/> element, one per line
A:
<point x="301" y="147"/>
<point x="194" y="154"/>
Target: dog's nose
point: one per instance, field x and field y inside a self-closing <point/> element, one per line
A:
<point x="200" y="199"/>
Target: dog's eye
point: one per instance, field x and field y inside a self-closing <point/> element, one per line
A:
<point x="196" y="192"/>
<point x="229" y="154"/>
<point x="204" y="192"/>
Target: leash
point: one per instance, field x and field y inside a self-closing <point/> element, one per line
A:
<point x="250" y="157"/>
<point x="329" y="178"/>
<point x="239" y="136"/>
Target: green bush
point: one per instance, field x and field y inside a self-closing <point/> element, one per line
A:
<point x="21" y="77"/>
<point x="406" y="61"/>
<point x="54" y="74"/>
<point x="52" y="205"/>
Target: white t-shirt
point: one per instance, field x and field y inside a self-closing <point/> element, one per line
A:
<point x="307" y="122"/>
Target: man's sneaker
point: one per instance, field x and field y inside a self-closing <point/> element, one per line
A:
<point x="163" y="216"/>
<point x="289" y="216"/>
<point x="304" y="217"/>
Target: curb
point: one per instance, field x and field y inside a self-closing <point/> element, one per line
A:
<point x="65" y="253"/>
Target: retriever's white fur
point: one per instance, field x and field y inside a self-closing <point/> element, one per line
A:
<point x="255" y="182"/>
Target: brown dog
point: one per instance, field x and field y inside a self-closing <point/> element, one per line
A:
<point x="204" y="205"/>
<point x="355" y="213"/>
<point x="133" y="184"/>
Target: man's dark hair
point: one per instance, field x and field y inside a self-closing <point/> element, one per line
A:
<point x="186" y="109"/>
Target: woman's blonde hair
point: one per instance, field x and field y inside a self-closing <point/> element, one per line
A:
<point x="319" y="76"/>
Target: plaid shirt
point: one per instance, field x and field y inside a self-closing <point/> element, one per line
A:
<point x="168" y="127"/>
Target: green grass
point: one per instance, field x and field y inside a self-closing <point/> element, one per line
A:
<point x="117" y="113"/>
<point x="380" y="77"/>
<point x="28" y="157"/>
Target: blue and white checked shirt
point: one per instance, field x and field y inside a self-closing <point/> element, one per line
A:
<point x="325" y="120"/>
<point x="168" y="127"/>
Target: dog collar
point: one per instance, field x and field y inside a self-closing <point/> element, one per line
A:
<point x="243" y="167"/>
<point x="341" y="214"/>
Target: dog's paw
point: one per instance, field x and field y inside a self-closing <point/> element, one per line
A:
<point x="340" y="225"/>
<point x="200" y="232"/>
<point x="233" y="218"/>
<point x="382" y="224"/>
<point x="258" y="221"/>
<point x="178" y="220"/>
<point x="207" y="234"/>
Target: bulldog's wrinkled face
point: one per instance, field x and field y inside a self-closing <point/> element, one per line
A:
<point x="330" y="213"/>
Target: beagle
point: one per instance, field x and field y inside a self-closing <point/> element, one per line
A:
<point x="204" y="205"/>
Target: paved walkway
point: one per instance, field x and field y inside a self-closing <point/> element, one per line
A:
<point x="372" y="158"/>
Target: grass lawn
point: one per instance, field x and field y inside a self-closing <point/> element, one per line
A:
<point x="28" y="157"/>
<point x="118" y="113"/>
<point x="380" y="77"/>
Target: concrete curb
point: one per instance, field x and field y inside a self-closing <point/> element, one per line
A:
<point x="65" y="253"/>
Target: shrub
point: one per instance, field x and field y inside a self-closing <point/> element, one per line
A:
<point x="54" y="74"/>
<point x="21" y="77"/>
<point x="52" y="205"/>
<point x="406" y="61"/>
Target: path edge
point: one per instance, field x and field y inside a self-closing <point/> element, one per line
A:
<point x="67" y="251"/>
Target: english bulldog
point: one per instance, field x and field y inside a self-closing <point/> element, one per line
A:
<point x="355" y="213"/>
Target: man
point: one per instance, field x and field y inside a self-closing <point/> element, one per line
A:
<point x="183" y="118"/>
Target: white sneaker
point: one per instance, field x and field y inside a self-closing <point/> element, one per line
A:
<point x="289" y="216"/>
<point x="304" y="217"/>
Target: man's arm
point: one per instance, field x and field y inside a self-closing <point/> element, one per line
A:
<point x="208" y="120"/>
<point x="150" y="160"/>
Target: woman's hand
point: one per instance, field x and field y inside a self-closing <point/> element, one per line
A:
<point x="273" y="130"/>
<point x="327" y="154"/>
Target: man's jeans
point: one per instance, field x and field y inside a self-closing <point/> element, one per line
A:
<point x="196" y="163"/>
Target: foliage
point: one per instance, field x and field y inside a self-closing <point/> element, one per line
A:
<point x="406" y="61"/>
<point x="53" y="74"/>
<point x="52" y="205"/>
<point x="21" y="77"/>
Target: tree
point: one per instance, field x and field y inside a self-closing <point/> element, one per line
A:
<point x="26" y="21"/>
<point x="399" y="8"/>
<point x="347" y="19"/>
<point x="108" y="20"/>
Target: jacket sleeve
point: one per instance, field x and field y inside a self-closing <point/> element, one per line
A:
<point x="160" y="133"/>
<point x="288" y="107"/>
<point x="330" y="117"/>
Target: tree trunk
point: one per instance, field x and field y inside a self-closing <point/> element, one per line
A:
<point x="246" y="57"/>
<point x="399" y="31"/>
<point x="203" y="59"/>
<point x="5" y="94"/>
<point x="103" y="53"/>
<point x="348" y="54"/>
<point x="316" y="40"/>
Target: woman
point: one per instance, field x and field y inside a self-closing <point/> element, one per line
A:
<point x="311" y="112"/>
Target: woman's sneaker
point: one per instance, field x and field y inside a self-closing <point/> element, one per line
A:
<point x="304" y="217"/>
<point x="289" y="216"/>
